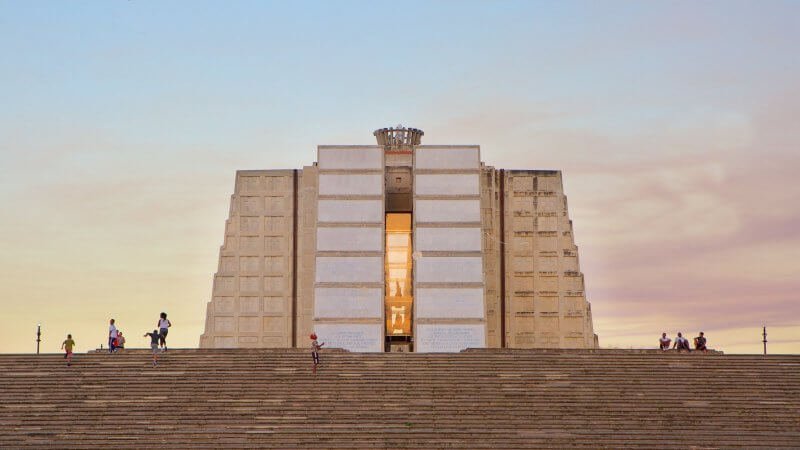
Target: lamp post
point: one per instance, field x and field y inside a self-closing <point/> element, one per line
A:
<point x="765" y="340"/>
<point x="38" y="336"/>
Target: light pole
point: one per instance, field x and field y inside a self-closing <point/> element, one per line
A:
<point x="765" y="340"/>
<point x="38" y="336"/>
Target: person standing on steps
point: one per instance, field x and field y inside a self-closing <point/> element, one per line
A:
<point x="163" y="329"/>
<point x="315" y="346"/>
<point x="155" y="336"/>
<point x="112" y="336"/>
<point x="68" y="345"/>
<point x="664" y="342"/>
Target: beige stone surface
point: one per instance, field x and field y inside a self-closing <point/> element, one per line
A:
<point x="526" y="262"/>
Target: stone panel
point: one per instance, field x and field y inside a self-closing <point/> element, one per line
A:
<point x="352" y="211"/>
<point x="349" y="269"/>
<point x="354" y="337"/>
<point x="249" y="304"/>
<point x="350" y="158"/>
<point x="449" y="269"/>
<point x="447" y="210"/>
<point x="351" y="184"/>
<point x="446" y="184"/>
<point x="350" y="239"/>
<point x="249" y="324"/>
<point x="448" y="239"/>
<point x="446" y="158"/>
<point x="348" y="302"/>
<point x="431" y="338"/>
<point x="436" y="303"/>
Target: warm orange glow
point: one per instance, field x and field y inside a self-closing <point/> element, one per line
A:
<point x="399" y="295"/>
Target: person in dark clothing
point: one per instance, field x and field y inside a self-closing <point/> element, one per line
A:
<point x="700" y="343"/>
<point x="155" y="336"/>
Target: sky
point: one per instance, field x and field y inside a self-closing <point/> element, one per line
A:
<point x="674" y="122"/>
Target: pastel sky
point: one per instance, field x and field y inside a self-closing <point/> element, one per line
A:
<point x="675" y="124"/>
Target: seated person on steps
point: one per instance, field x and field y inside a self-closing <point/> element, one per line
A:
<point x="664" y="342"/>
<point x="681" y="343"/>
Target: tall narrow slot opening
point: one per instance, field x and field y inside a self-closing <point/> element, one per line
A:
<point x="399" y="299"/>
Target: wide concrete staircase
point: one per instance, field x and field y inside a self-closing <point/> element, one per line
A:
<point x="474" y="399"/>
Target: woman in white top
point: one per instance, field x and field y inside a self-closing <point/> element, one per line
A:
<point x="163" y="329"/>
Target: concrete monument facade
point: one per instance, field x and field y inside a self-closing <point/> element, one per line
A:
<point x="399" y="247"/>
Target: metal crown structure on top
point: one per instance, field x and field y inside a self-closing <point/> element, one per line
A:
<point x="398" y="138"/>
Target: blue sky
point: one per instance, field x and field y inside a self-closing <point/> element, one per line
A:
<point x="122" y="123"/>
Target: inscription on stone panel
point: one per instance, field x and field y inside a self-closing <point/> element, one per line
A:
<point x="223" y="324"/>
<point x="274" y="225"/>
<point x="224" y="284"/>
<point x="274" y="324"/>
<point x="249" y="284"/>
<point x="547" y="324"/>
<point x="276" y="183"/>
<point x="249" y="304"/>
<point x="249" y="224"/>
<point x="353" y="337"/>
<point x="273" y="244"/>
<point x="249" y="324"/>
<point x="230" y="244"/>
<point x="522" y="183"/>
<point x="274" y="264"/>
<point x="274" y="206"/>
<point x="251" y="205"/>
<point x="223" y="304"/>
<point x="274" y="304"/>
<point x="228" y="264"/>
<point x="224" y="342"/>
<point x="547" y="304"/>
<point x="249" y="264"/>
<point x="250" y="243"/>
<point x="250" y="184"/>
<point x="449" y="338"/>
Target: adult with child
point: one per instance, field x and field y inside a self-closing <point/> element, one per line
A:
<point x="155" y="336"/>
<point x="67" y="346"/>
<point x="681" y="343"/>
<point x="664" y="342"/>
<point x="112" y="336"/>
<point x="163" y="329"/>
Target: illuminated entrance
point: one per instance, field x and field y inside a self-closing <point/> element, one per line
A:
<point x="398" y="271"/>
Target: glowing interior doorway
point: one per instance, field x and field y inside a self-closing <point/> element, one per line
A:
<point x="399" y="295"/>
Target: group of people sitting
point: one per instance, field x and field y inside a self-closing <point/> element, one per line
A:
<point x="681" y="343"/>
